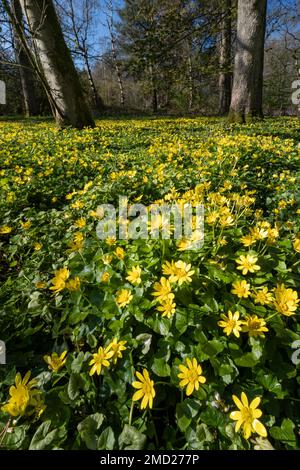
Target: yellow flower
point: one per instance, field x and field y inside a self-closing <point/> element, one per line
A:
<point x="190" y="375"/>
<point x="262" y="296"/>
<point x="117" y="347"/>
<point x="145" y="391"/>
<point x="59" y="280"/>
<point x="286" y="300"/>
<point x="183" y="273"/>
<point x="231" y="324"/>
<point x="162" y="290"/>
<point x="248" y="240"/>
<point x="254" y="326"/>
<point x="56" y="362"/>
<point x="296" y="245"/>
<point x="77" y="242"/>
<point x="124" y="297"/>
<point x="40" y="285"/>
<point x="107" y="259"/>
<point x="247" y="264"/>
<point x="73" y="285"/>
<point x="169" y="268"/>
<point x="134" y="275"/>
<point x="247" y="416"/>
<point x="110" y="241"/>
<point x="167" y="307"/>
<point x="26" y="225"/>
<point x="241" y="289"/>
<point x="5" y="229"/>
<point x="105" y="277"/>
<point x="120" y="253"/>
<point x="37" y="246"/>
<point x="80" y="223"/>
<point x="100" y="359"/>
<point x="20" y="395"/>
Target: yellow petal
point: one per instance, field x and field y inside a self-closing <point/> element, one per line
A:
<point x="144" y="402"/>
<point x="137" y="384"/>
<point x="189" y="389"/>
<point x="235" y="415"/>
<point x="259" y="428"/>
<point x="138" y="395"/>
<point x="238" y="403"/>
<point x="140" y="376"/>
<point x="254" y="404"/>
<point x="244" y="399"/>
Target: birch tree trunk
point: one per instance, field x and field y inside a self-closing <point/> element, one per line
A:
<point x="225" y="77"/>
<point x="25" y="68"/>
<point x="57" y="64"/>
<point x="246" y="101"/>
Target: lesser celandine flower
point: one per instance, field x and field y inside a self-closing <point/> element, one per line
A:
<point x="117" y="347"/>
<point x="162" y="289"/>
<point x="247" y="264"/>
<point x="105" y="277"/>
<point x="241" y="289"/>
<point x="263" y="296"/>
<point x="190" y="375"/>
<point x="231" y="324"/>
<point x="5" y="229"/>
<point x="22" y="395"/>
<point x="59" y="280"/>
<point x="80" y="223"/>
<point x="167" y="307"/>
<point x="123" y="297"/>
<point x="286" y="300"/>
<point x="145" y="389"/>
<point x="119" y="253"/>
<point x="296" y="245"/>
<point x="100" y="359"/>
<point x="134" y="275"/>
<point x="25" y="225"/>
<point x="182" y="273"/>
<point x="247" y="416"/>
<point x="254" y="326"/>
<point x="56" y="362"/>
<point x="73" y="285"/>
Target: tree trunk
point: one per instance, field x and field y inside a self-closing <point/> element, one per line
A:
<point x="67" y="99"/>
<point x="31" y="107"/>
<point x="225" y="77"/>
<point x="115" y="59"/>
<point x="154" y="91"/>
<point x="246" y="102"/>
<point x="96" y="98"/>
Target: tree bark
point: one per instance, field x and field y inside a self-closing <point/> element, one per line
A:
<point x="115" y="59"/>
<point x="246" y="102"/>
<point x="67" y="99"/>
<point x="96" y="98"/>
<point x="154" y="90"/>
<point x="31" y="107"/>
<point x="225" y="77"/>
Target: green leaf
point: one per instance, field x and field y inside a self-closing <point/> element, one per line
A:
<point x="76" y="383"/>
<point x="44" y="438"/>
<point x="106" y="440"/>
<point x="185" y="412"/>
<point x="285" y="433"/>
<point x="87" y="430"/>
<point x="131" y="439"/>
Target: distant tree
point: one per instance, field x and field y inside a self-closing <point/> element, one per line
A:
<point x="225" y="76"/>
<point x="52" y="62"/>
<point x="246" y="101"/>
<point x="27" y="77"/>
<point x="78" y="20"/>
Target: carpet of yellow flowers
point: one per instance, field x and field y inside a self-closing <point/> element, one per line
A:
<point x="146" y="344"/>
